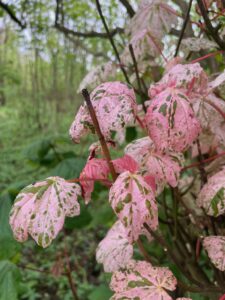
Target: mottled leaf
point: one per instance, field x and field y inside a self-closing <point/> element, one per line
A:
<point x="40" y="209"/>
<point x="141" y="281"/>
<point x="197" y="44"/>
<point x="190" y="77"/>
<point x="114" y="251"/>
<point x="125" y="163"/>
<point x="215" y="247"/>
<point x="133" y="201"/>
<point x="171" y="122"/>
<point x="115" y="107"/>
<point x="95" y="169"/>
<point x="212" y="195"/>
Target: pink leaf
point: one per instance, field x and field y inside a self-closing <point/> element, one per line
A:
<point x="139" y="149"/>
<point x="40" y="209"/>
<point x="142" y="281"/>
<point x="191" y="78"/>
<point x="125" y="163"/>
<point x="212" y="195"/>
<point x="114" y="251"/>
<point x="115" y="107"/>
<point x="154" y="16"/>
<point x="164" y="167"/>
<point x="150" y="181"/>
<point x="133" y="201"/>
<point x="215" y="247"/>
<point x="219" y="80"/>
<point x="222" y="297"/>
<point x="99" y="74"/>
<point x="95" y="169"/>
<point x="171" y="122"/>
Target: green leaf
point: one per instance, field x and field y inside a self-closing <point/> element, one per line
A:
<point x="68" y="168"/>
<point x="9" y="280"/>
<point x="81" y="221"/>
<point x="218" y="198"/>
<point x="38" y="150"/>
<point x="9" y="249"/>
<point x="5" y="207"/>
<point x="100" y="293"/>
<point x="131" y="134"/>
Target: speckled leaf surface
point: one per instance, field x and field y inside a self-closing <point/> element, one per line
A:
<point x="141" y="281"/>
<point x="114" y="251"/>
<point x="171" y="122"/>
<point x="95" y="169"/>
<point x="133" y="201"/>
<point x="215" y="247"/>
<point x="212" y="195"/>
<point x="115" y="107"/>
<point x="40" y="209"/>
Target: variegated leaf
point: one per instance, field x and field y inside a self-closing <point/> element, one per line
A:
<point x="114" y="251"/>
<point x="115" y="107"/>
<point x="212" y="195"/>
<point x="95" y="169"/>
<point x="140" y="280"/>
<point x="171" y="122"/>
<point x="215" y="247"/>
<point x="133" y="201"/>
<point x="40" y="209"/>
<point x="191" y="78"/>
<point x="125" y="163"/>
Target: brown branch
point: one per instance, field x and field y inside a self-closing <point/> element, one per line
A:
<point x="128" y="7"/>
<point x="67" y="31"/>
<point x="211" y="30"/>
<point x="111" y="40"/>
<point x="143" y="96"/>
<point x="204" y="161"/>
<point x="99" y="133"/>
<point x="69" y="275"/>
<point x="183" y="28"/>
<point x="12" y="15"/>
<point x="90" y="34"/>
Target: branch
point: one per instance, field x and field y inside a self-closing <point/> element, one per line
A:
<point x="183" y="28"/>
<point x="212" y="30"/>
<point x="99" y="133"/>
<point x="90" y="34"/>
<point x="128" y="7"/>
<point x="12" y="15"/>
<point x="111" y="40"/>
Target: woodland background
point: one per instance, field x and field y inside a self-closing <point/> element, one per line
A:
<point x="46" y="48"/>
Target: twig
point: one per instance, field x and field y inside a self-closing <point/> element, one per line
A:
<point x="164" y="244"/>
<point x="183" y="28"/>
<point x="143" y="251"/>
<point x="206" y="56"/>
<point x="69" y="275"/>
<point x="201" y="164"/>
<point x="204" y="161"/>
<point x="212" y="31"/>
<point x="99" y="133"/>
<point x="12" y="15"/>
<point x="111" y="40"/>
<point x="128" y="7"/>
<point x="137" y="76"/>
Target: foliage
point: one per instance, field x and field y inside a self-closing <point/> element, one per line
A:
<point x="156" y="129"/>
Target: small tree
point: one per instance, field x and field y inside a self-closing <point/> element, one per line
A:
<point x="169" y="187"/>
